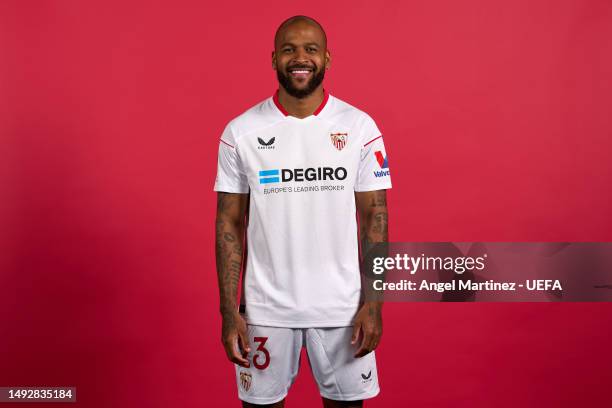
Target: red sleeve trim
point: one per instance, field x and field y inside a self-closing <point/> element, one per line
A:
<point x="223" y="141"/>
<point x="376" y="138"/>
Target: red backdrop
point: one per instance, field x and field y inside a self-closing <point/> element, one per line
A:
<point x="497" y="124"/>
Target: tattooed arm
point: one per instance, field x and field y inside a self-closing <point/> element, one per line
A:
<point x="230" y="225"/>
<point x="372" y="211"/>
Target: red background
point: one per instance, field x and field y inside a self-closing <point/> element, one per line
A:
<point x="497" y="124"/>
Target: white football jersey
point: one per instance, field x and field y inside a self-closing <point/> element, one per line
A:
<point x="302" y="266"/>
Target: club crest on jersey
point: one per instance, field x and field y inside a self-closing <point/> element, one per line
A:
<point x="266" y="145"/>
<point x="246" y="379"/>
<point x="339" y="140"/>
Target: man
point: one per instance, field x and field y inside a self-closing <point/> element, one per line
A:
<point x="304" y="163"/>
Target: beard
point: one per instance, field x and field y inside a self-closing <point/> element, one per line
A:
<point x="300" y="93"/>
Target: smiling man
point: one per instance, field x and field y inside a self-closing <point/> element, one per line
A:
<point x="305" y="164"/>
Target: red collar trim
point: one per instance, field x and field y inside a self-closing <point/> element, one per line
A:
<point x="316" y="112"/>
<point x="278" y="105"/>
<point x="322" y="105"/>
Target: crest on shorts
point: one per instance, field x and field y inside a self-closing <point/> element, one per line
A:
<point x="339" y="140"/>
<point x="246" y="379"/>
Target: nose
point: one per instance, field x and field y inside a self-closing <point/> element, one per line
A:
<point x="300" y="56"/>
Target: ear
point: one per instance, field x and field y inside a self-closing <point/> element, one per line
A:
<point x="328" y="59"/>
<point x="274" y="60"/>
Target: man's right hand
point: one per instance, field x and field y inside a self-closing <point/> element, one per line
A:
<point x="234" y="338"/>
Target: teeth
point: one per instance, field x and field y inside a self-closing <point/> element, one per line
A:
<point x="300" y="72"/>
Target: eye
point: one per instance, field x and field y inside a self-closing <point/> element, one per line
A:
<point x="311" y="49"/>
<point x="287" y="50"/>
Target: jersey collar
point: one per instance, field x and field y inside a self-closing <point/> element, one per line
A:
<point x="315" y="113"/>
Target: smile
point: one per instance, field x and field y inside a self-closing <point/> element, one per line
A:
<point x="300" y="72"/>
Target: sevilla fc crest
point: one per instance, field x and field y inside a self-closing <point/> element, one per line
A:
<point x="339" y="140"/>
<point x="245" y="380"/>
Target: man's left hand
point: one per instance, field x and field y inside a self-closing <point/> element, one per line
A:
<point x="369" y="322"/>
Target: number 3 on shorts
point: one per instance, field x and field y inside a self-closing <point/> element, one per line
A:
<point x="264" y="350"/>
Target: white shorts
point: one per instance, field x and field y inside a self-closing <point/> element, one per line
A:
<point x="275" y="359"/>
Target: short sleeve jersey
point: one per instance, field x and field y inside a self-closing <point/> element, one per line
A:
<point x="302" y="266"/>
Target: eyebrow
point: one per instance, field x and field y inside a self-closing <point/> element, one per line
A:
<point x="310" y="44"/>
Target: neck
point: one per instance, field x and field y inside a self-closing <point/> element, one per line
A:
<point x="301" y="108"/>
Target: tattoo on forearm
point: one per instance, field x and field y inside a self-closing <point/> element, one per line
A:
<point x="373" y="230"/>
<point x="379" y="200"/>
<point x="375" y="227"/>
<point x="380" y="225"/>
<point x="228" y="251"/>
